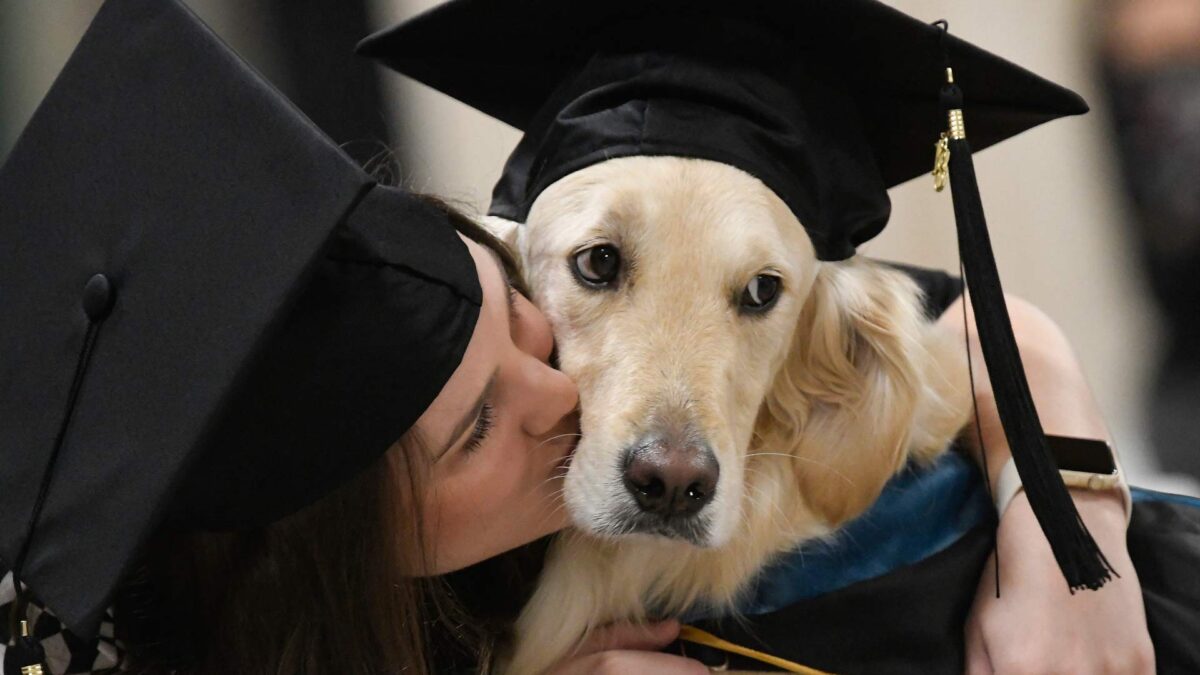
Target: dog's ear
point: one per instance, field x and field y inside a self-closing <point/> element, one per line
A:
<point x="509" y="232"/>
<point x="511" y="236"/>
<point x="861" y="389"/>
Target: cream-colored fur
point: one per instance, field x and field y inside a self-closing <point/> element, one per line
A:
<point x="809" y="408"/>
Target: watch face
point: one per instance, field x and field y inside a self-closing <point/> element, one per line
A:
<point x="1085" y="455"/>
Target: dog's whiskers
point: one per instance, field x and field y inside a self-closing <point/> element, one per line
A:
<point x="809" y="460"/>
<point x="756" y="496"/>
<point x="555" y="438"/>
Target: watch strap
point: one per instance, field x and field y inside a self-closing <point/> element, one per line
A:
<point x="1009" y="484"/>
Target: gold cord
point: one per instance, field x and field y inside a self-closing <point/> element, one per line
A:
<point x="693" y="634"/>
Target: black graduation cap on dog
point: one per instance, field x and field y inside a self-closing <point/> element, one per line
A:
<point x="210" y="316"/>
<point x="828" y="102"/>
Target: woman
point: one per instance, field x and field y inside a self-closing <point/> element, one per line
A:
<point x="264" y="401"/>
<point x="330" y="564"/>
<point x="477" y="475"/>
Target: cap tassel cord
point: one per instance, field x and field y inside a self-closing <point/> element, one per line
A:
<point x="1083" y="564"/>
<point x="27" y="653"/>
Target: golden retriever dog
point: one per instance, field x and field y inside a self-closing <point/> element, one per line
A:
<point x="738" y="396"/>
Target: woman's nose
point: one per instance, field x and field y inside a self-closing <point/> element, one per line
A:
<point x="533" y="335"/>
<point x="552" y="396"/>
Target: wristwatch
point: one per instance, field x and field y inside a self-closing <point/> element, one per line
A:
<point x="1084" y="463"/>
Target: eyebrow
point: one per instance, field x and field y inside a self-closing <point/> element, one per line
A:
<point x="469" y="419"/>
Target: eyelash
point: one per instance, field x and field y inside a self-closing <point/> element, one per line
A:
<point x="512" y="299"/>
<point x="483" y="425"/>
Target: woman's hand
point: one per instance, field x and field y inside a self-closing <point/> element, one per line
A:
<point x="1037" y="625"/>
<point x="630" y="649"/>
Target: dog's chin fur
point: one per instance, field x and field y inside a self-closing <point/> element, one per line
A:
<point x="809" y="408"/>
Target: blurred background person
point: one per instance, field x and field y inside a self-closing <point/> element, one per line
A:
<point x="1150" y="58"/>
<point x="1059" y="224"/>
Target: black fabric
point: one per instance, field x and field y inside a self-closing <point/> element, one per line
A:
<point x="827" y="101"/>
<point x="912" y="620"/>
<point x="351" y="366"/>
<point x="907" y="622"/>
<point x="787" y="126"/>
<point x="279" y="320"/>
<point x="939" y="290"/>
<point x="1164" y="543"/>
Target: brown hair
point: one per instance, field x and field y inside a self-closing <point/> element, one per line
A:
<point x="329" y="589"/>
<point x="323" y="590"/>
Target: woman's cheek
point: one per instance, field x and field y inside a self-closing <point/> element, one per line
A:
<point x="504" y="472"/>
<point x="490" y="486"/>
<point x="457" y="526"/>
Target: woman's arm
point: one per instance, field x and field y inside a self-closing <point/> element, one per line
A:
<point x="1037" y="625"/>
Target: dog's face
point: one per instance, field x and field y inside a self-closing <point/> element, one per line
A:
<point x="722" y="368"/>
<point x="674" y="287"/>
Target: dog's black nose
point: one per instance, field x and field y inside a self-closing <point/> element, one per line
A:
<point x="671" y="480"/>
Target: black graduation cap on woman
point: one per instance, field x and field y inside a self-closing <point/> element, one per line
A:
<point x="210" y="317"/>
<point x="828" y="102"/>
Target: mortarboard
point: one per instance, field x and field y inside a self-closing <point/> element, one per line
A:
<point x="828" y="102"/>
<point x="209" y="316"/>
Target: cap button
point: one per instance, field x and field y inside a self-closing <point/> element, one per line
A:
<point x="98" y="298"/>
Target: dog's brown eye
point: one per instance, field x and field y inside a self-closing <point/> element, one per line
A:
<point x="598" y="265"/>
<point x="760" y="293"/>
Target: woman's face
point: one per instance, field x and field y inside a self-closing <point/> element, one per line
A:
<point x="498" y="433"/>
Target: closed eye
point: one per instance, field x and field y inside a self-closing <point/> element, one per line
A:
<point x="512" y="307"/>
<point x="483" y="425"/>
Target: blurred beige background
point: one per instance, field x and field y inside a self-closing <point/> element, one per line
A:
<point x="1052" y="205"/>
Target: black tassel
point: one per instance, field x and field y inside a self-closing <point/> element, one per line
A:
<point x="1082" y="562"/>
<point x="26" y="656"/>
